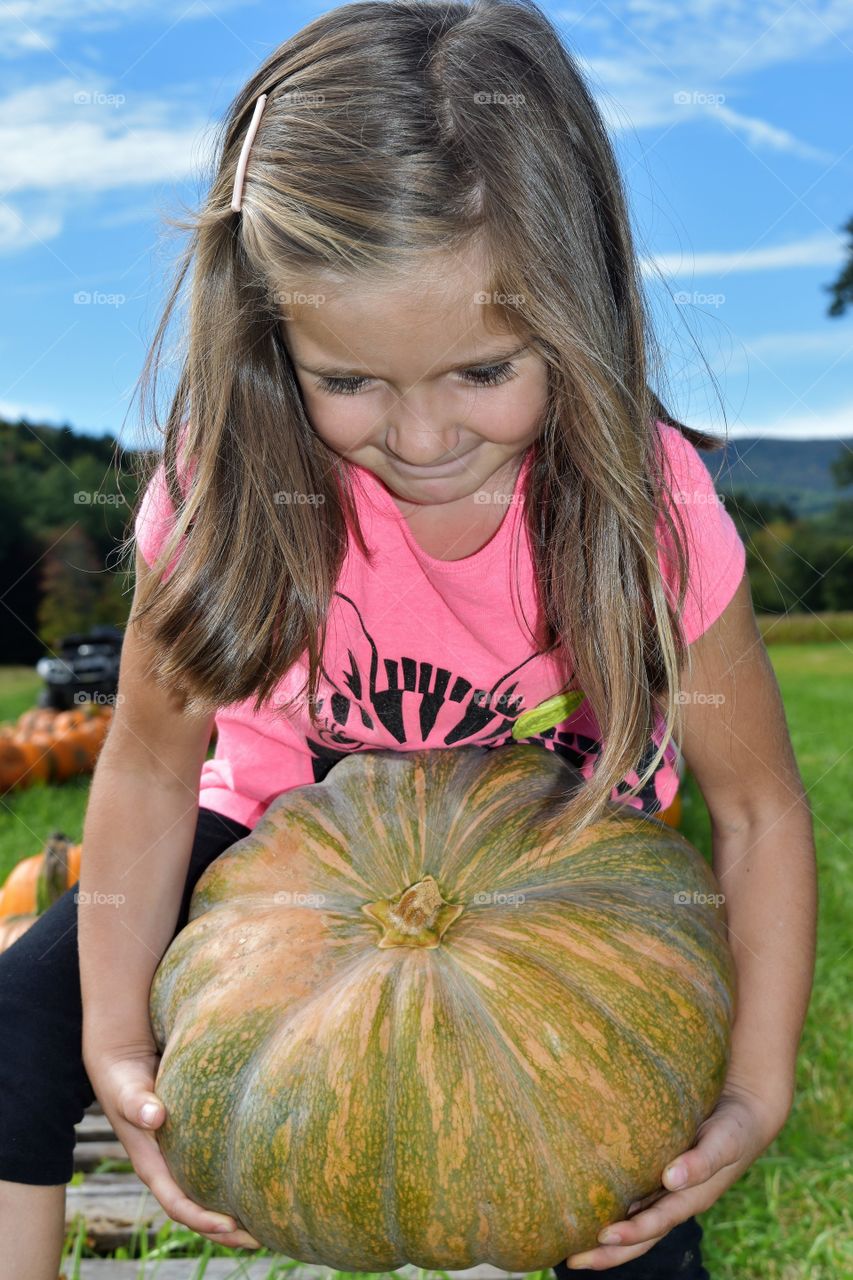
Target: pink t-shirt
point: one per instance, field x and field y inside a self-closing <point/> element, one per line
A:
<point x="423" y="652"/>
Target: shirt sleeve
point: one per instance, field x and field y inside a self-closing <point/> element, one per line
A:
<point x="716" y="551"/>
<point x="155" y="518"/>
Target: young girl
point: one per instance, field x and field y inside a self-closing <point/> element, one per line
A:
<point x="415" y="484"/>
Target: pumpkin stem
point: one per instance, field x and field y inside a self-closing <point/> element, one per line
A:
<point x="419" y="917"/>
<point x="54" y="874"/>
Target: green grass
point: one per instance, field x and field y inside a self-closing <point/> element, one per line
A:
<point x="805" y="628"/>
<point x="788" y="1217"/>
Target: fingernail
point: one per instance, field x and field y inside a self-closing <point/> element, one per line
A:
<point x="609" y="1236"/>
<point x="149" y="1112"/>
<point x="579" y="1261"/>
<point x="676" y="1175"/>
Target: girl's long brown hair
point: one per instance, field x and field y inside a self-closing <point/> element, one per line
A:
<point x="393" y="127"/>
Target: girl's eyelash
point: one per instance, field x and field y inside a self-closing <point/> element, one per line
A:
<point x="487" y="376"/>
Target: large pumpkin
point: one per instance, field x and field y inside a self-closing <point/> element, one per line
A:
<point x="409" y="1022"/>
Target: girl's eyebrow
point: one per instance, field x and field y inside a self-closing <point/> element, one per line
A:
<point x="500" y="357"/>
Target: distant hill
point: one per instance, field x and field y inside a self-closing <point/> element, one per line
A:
<point x="792" y="471"/>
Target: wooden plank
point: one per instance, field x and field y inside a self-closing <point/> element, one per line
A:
<point x="259" y="1269"/>
<point x="88" y="1155"/>
<point x="114" y="1205"/>
<point x="94" y="1128"/>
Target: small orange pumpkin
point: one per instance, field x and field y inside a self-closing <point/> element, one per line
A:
<point x="672" y="814"/>
<point x="36" y="718"/>
<point x="36" y="882"/>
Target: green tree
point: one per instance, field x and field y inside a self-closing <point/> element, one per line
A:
<point x="841" y="289"/>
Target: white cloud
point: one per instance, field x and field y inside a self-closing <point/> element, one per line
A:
<point x="35" y="26"/>
<point x="648" y="51"/>
<point x="73" y="136"/>
<point x="716" y="37"/>
<point x="17" y="234"/>
<point x="820" y="250"/>
<point x="13" y="410"/>
<point x="782" y="352"/>
<point x="825" y="424"/>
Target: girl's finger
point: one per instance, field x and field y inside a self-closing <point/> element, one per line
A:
<point x="721" y="1144"/>
<point x="608" y="1256"/>
<point x="653" y="1223"/>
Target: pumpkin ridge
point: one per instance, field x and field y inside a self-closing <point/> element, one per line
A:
<point x="470" y="988"/>
<point x="625" y="1030"/>
<point x="513" y="1075"/>
<point x="611" y="903"/>
<point x="458" y="1002"/>
<point x="320" y="995"/>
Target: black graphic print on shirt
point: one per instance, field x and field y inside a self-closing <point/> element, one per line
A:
<point x="406" y="696"/>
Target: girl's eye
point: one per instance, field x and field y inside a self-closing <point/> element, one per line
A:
<point x="488" y="376"/>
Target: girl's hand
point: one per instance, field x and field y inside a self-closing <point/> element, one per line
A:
<point x="123" y="1080"/>
<point x="740" y="1127"/>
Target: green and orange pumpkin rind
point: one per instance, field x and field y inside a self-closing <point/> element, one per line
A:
<point x="541" y="1030"/>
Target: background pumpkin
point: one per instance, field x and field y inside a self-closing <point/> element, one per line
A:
<point x="35" y="883"/>
<point x="408" y="1022"/>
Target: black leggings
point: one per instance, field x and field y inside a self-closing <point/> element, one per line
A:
<point x="44" y="1088"/>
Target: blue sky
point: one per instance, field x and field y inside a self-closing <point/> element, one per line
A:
<point x="731" y="121"/>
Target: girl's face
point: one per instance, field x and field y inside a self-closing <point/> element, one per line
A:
<point x="407" y="382"/>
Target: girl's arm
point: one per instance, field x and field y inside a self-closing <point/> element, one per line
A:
<point x="137" y="839"/>
<point x="735" y="740"/>
<point x="137" y="835"/>
<point x="739" y="749"/>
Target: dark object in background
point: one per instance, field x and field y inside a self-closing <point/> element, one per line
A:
<point x="86" y="669"/>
